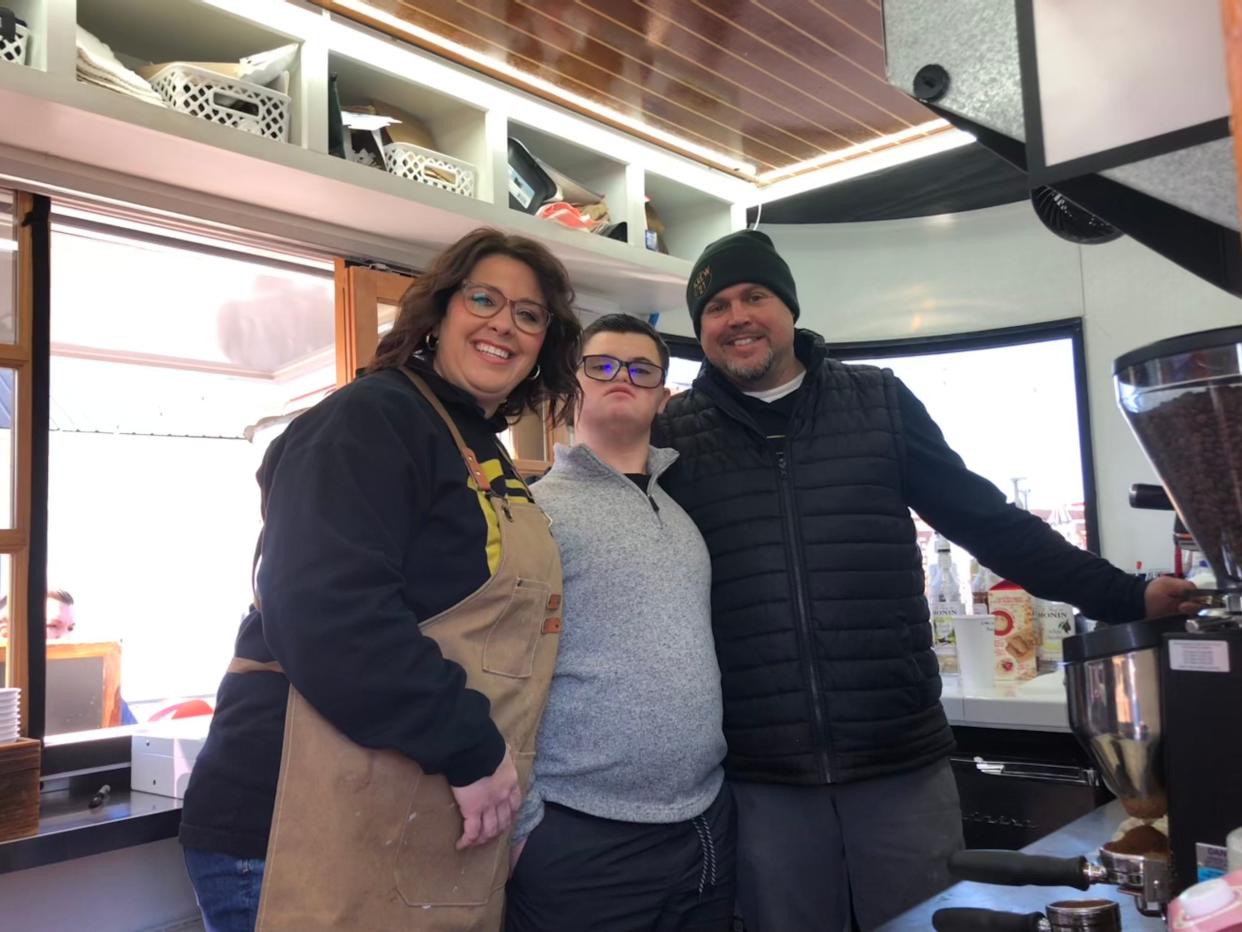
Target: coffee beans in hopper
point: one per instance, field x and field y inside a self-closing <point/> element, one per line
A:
<point x="1195" y="442"/>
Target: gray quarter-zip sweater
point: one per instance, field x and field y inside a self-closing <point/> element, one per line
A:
<point x="632" y="730"/>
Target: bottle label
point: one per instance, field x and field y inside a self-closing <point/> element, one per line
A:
<point x="1054" y="622"/>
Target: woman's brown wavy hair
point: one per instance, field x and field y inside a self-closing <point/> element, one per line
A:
<point x="426" y="301"/>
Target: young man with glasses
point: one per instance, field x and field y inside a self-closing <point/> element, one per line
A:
<point x="628" y="825"/>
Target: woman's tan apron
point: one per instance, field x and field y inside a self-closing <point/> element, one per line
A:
<point x="363" y="839"/>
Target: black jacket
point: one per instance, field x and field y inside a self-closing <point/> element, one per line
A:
<point x="821" y="626"/>
<point x="372" y="523"/>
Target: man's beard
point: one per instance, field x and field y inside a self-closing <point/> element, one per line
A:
<point x="751" y="372"/>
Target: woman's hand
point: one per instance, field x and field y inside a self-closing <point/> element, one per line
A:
<point x="488" y="805"/>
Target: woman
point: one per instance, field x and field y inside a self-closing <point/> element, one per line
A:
<point x="404" y="633"/>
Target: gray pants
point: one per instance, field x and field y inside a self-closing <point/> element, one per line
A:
<point x="806" y="852"/>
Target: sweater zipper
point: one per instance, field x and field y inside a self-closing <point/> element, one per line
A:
<point x="651" y="481"/>
<point x="646" y="493"/>
<point x="785" y="482"/>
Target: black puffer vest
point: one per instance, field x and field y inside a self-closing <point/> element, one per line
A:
<point x="821" y="627"/>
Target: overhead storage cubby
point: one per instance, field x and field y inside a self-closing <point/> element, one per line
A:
<point x="141" y="33"/>
<point x="588" y="176"/>
<point x="688" y="219"/>
<point x="438" y="140"/>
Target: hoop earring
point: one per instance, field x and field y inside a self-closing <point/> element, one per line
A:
<point x="430" y="342"/>
<point x="534" y="376"/>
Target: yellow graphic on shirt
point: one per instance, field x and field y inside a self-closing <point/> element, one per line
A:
<point x="493" y="469"/>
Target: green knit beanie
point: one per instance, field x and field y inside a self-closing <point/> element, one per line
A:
<point x="744" y="256"/>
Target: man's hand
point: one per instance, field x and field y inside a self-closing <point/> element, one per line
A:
<point x="1168" y="595"/>
<point x="488" y="805"/>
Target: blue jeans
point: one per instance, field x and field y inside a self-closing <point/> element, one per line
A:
<point x="227" y="889"/>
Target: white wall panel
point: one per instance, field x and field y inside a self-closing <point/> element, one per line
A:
<point x="1135" y="297"/>
<point x="933" y="275"/>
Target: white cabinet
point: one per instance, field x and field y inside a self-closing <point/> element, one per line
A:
<point x="59" y="132"/>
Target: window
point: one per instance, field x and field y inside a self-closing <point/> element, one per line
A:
<point x="174" y="362"/>
<point x="1013" y="405"/>
<point x="685" y="360"/>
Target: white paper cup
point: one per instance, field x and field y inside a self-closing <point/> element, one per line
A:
<point x="976" y="651"/>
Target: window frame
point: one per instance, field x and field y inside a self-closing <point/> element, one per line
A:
<point x="105" y="749"/>
<point x="1067" y="328"/>
<point x="26" y="542"/>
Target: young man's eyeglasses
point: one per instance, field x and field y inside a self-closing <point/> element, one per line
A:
<point x="643" y="374"/>
<point x="485" y="301"/>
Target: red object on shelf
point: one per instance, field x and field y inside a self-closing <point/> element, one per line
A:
<point x="564" y="214"/>
<point x="187" y="709"/>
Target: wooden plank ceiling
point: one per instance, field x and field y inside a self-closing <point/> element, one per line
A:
<point x="772" y="83"/>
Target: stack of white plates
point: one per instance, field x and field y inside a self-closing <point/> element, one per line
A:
<point x="10" y="714"/>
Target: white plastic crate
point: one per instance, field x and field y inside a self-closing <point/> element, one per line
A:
<point x="433" y="168"/>
<point x="15" y="50"/>
<point x="211" y="96"/>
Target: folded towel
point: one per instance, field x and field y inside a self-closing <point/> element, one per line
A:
<point x="96" y="64"/>
<point x="89" y="74"/>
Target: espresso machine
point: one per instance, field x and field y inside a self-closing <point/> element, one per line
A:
<point x="1158" y="703"/>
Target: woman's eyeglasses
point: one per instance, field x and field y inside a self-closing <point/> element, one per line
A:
<point x="485" y="301"/>
<point x="643" y="374"/>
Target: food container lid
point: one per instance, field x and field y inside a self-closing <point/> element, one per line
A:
<point x="1110" y="640"/>
<point x="1175" y="346"/>
<point x="1206" y="898"/>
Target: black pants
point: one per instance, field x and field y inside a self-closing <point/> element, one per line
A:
<point x="810" y="853"/>
<point x="579" y="873"/>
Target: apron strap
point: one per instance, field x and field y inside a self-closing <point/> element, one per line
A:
<point x="246" y="665"/>
<point x="504" y="454"/>
<point x="254" y="569"/>
<point x="472" y="461"/>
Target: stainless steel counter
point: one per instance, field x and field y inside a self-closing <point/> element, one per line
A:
<point x="69" y="828"/>
<point x="1083" y="836"/>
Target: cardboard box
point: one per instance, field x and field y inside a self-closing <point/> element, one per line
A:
<point x="1017" y="644"/>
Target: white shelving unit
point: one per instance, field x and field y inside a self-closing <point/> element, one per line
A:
<point x="65" y="135"/>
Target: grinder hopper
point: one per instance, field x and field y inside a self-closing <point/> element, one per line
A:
<point x="1183" y="399"/>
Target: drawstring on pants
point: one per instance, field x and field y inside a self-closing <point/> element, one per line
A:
<point x="707" y="877"/>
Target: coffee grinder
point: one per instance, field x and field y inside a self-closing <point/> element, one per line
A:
<point x="1158" y="703"/>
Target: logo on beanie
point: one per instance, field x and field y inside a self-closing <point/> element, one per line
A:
<point x="701" y="281"/>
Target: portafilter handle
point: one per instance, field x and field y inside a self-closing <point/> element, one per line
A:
<point x="963" y="919"/>
<point x="1015" y="869"/>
